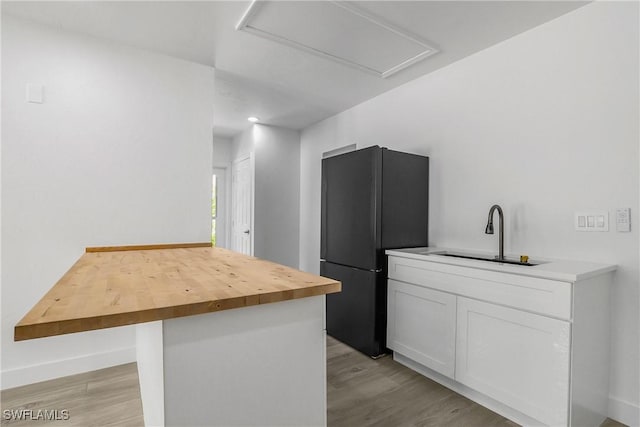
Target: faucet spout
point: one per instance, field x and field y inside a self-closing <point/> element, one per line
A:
<point x="489" y="229"/>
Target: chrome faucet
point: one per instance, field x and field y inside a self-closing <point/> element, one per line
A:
<point x="489" y="229"/>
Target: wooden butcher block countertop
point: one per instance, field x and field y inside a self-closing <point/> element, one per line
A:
<point x="119" y="286"/>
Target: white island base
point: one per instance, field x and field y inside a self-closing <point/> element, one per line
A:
<point x="258" y="365"/>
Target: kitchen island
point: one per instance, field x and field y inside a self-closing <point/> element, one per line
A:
<point x="200" y="363"/>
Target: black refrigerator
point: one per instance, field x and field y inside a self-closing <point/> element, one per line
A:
<point x="372" y="199"/>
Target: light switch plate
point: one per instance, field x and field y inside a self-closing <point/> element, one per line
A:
<point x="623" y="219"/>
<point x="35" y="93"/>
<point x="591" y="221"/>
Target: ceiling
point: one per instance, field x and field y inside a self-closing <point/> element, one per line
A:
<point x="278" y="82"/>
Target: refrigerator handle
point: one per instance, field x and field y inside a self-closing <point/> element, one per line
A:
<point x="377" y="194"/>
<point x="323" y="214"/>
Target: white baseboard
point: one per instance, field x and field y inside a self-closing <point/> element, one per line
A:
<point x="61" y="368"/>
<point x="624" y="412"/>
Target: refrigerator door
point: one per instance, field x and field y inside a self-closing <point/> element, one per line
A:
<point x="357" y="316"/>
<point x="405" y="200"/>
<point x="351" y="208"/>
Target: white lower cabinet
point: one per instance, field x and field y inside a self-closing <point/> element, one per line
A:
<point x="518" y="358"/>
<point x="535" y="350"/>
<point x="422" y="325"/>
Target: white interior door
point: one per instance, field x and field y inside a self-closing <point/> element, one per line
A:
<point x="242" y="206"/>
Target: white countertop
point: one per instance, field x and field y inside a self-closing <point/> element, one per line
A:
<point x="563" y="270"/>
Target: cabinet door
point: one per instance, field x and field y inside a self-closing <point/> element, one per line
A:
<point x="518" y="358"/>
<point x="421" y="325"/>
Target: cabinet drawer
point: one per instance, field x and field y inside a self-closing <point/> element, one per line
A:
<point x="421" y="324"/>
<point x="548" y="297"/>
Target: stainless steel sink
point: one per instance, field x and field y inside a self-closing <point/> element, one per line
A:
<point x="489" y="258"/>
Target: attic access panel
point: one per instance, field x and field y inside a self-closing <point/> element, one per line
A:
<point x="338" y="31"/>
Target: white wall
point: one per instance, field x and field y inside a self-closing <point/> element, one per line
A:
<point x="243" y="144"/>
<point x="276" y="152"/>
<point x="222" y="150"/>
<point x="544" y="124"/>
<point x="119" y="153"/>
<point x="277" y="194"/>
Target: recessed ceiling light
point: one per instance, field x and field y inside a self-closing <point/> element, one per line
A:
<point x="253" y="119"/>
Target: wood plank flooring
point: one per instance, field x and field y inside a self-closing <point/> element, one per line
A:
<point x="360" y="392"/>
<point x="107" y="397"/>
<point x="366" y="392"/>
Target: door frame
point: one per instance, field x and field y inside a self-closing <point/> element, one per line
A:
<point x="226" y="211"/>
<point x="252" y="171"/>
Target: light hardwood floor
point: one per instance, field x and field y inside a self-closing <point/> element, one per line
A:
<point x="360" y="392"/>
<point x="107" y="397"/>
<point x="366" y="392"/>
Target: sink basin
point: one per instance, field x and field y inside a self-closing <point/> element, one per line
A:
<point x="489" y="258"/>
